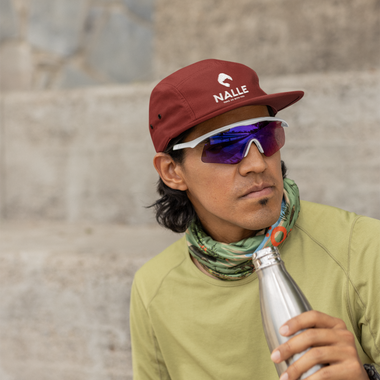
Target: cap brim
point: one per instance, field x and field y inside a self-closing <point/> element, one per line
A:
<point x="280" y="100"/>
<point x="277" y="102"/>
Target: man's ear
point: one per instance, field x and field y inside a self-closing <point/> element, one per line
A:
<point x="169" y="171"/>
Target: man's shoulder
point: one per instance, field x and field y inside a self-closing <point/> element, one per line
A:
<point x="151" y="275"/>
<point x="312" y="211"/>
<point x="319" y="208"/>
<point x="318" y="219"/>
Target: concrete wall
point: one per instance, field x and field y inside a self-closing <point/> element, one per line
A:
<point x="51" y="44"/>
<point x="75" y="164"/>
<point x="274" y="37"/>
<point x="79" y="155"/>
<point x="64" y="292"/>
<point x="87" y="155"/>
<point x="57" y="44"/>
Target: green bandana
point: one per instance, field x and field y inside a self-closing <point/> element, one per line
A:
<point x="233" y="261"/>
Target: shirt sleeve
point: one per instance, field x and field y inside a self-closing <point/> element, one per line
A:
<point x="147" y="360"/>
<point x="364" y="273"/>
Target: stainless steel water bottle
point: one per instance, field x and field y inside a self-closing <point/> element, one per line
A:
<point x="280" y="300"/>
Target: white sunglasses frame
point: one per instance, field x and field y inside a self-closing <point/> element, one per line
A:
<point x="195" y="142"/>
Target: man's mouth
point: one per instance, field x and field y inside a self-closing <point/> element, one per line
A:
<point x="258" y="191"/>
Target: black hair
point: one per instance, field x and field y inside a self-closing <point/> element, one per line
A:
<point x="174" y="209"/>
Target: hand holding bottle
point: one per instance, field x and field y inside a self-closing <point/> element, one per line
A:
<point x="330" y="343"/>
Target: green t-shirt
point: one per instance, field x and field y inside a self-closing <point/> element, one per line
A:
<point x="186" y="325"/>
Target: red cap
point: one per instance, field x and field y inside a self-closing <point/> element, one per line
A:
<point x="202" y="91"/>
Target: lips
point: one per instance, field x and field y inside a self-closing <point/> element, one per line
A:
<point x="258" y="190"/>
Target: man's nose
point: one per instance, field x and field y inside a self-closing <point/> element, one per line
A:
<point x="254" y="161"/>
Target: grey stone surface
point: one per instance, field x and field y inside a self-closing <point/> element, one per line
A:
<point x="79" y="155"/>
<point x="8" y="20"/>
<point x="96" y="17"/>
<point x="126" y="41"/>
<point x="56" y="25"/>
<point x="274" y="37"/>
<point x="142" y="8"/>
<point x="123" y="49"/>
<point x="16" y="67"/>
<point x="73" y="76"/>
<point x="64" y="293"/>
<point x="46" y="68"/>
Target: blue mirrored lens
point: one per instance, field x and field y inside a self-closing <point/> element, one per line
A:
<point x="228" y="147"/>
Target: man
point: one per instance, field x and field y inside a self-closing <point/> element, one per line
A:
<point x="195" y="311"/>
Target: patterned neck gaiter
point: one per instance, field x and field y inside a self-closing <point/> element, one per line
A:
<point x="231" y="262"/>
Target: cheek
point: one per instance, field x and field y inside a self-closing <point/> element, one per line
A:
<point x="207" y="184"/>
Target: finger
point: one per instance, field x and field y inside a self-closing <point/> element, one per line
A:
<point x="350" y="369"/>
<point x="313" y="338"/>
<point x="311" y="319"/>
<point x="307" y="362"/>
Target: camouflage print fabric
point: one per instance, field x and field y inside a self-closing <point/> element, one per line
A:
<point x="233" y="261"/>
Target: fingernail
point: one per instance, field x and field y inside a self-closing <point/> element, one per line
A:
<point x="284" y="330"/>
<point x="284" y="376"/>
<point x="276" y="356"/>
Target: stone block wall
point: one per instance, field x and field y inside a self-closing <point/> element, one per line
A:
<point x="78" y="155"/>
<point x="75" y="150"/>
<point x="64" y="293"/>
<point x="57" y="44"/>
<point x="275" y="37"/>
<point x="86" y="154"/>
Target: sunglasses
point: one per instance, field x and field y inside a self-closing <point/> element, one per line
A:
<point x="231" y="143"/>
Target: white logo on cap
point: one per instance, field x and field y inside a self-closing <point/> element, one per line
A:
<point x="222" y="77"/>
<point x="232" y="94"/>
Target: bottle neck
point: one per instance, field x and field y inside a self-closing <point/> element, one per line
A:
<point x="265" y="258"/>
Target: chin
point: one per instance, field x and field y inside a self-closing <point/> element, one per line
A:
<point x="266" y="219"/>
